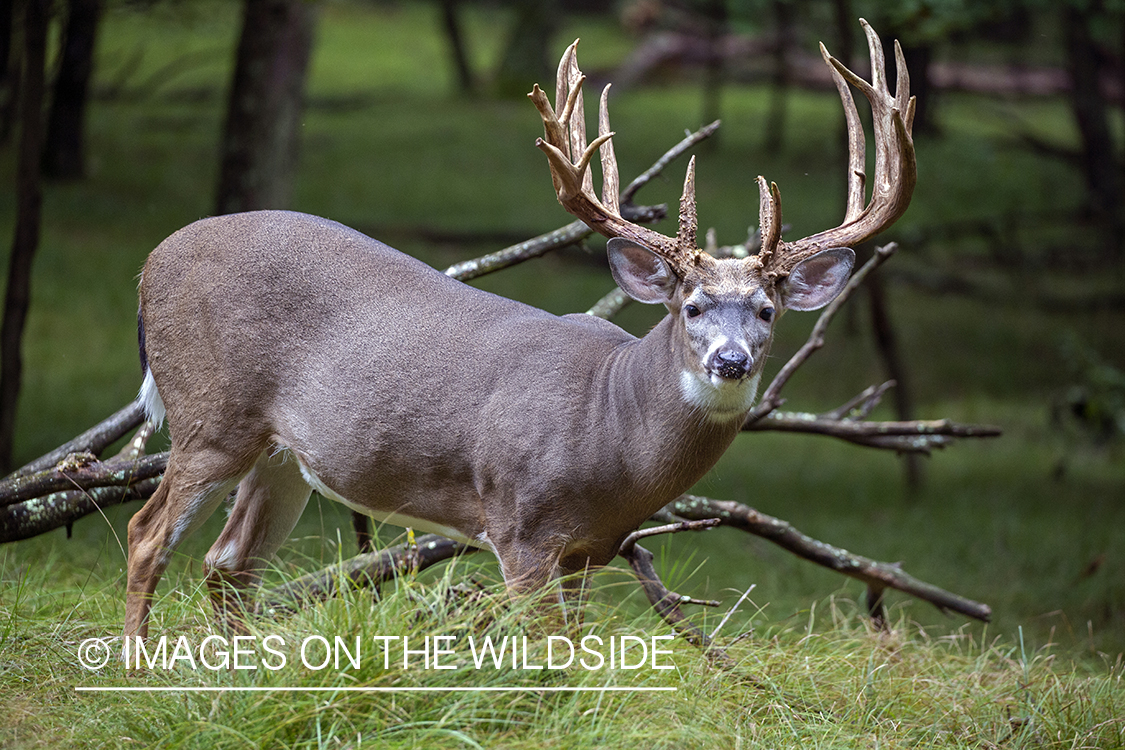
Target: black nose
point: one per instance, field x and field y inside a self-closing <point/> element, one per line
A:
<point x="730" y="363"/>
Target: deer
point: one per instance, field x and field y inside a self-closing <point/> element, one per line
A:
<point x="289" y="353"/>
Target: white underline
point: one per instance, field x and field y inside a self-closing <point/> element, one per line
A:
<point x="87" y="689"/>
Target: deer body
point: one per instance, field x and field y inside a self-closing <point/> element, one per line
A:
<point x="290" y="353"/>
<point x="318" y="357"/>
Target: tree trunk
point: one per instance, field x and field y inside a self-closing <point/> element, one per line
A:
<point x="260" y="138"/>
<point x="451" y="25"/>
<point x="26" y="236"/>
<point x="9" y="70"/>
<point x="528" y="48"/>
<point x="779" y="93"/>
<point x="1099" y="160"/>
<point x="64" y="155"/>
<point x="887" y="343"/>
<point x="716" y="22"/>
<point x="918" y="57"/>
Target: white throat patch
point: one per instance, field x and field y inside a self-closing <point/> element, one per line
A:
<point x="720" y="400"/>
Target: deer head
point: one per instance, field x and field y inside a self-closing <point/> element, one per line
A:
<point x="728" y="306"/>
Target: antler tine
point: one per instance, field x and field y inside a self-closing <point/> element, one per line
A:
<point x="611" y="179"/>
<point x="575" y="122"/>
<point x="769" y="218"/>
<point x="857" y="147"/>
<point x="904" y="102"/>
<point x="878" y="61"/>
<point x="569" y="156"/>
<point x="895" y="167"/>
<point x="689" y="221"/>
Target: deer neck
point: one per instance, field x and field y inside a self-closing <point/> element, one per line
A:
<point x="673" y="435"/>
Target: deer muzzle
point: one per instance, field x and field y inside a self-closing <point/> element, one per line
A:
<point x="730" y="363"/>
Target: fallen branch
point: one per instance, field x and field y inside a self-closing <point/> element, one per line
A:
<point x="664" y="601"/>
<point x="913" y="436"/>
<point x="94" y="440"/>
<point x="69" y="483"/>
<point x="877" y="575"/>
<point x="82" y="471"/>
<point x="362" y="571"/>
<point x="42" y="514"/>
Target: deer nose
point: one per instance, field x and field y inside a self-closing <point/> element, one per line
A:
<point x="730" y="363"/>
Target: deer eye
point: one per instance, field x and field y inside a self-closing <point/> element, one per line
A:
<point x="766" y="314"/>
<point x="692" y="311"/>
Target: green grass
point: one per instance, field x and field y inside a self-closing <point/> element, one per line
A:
<point x="1032" y="523"/>
<point x="824" y="681"/>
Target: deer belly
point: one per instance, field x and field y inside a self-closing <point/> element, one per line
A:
<point x="392" y="517"/>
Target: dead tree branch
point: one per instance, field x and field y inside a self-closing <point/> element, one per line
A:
<point x="362" y="571"/>
<point x="82" y="471"/>
<point x="665" y="601"/>
<point x="70" y="482"/>
<point x="681" y="148"/>
<point x="877" y="575"/>
<point x="914" y="436"/>
<point x="48" y="512"/>
<point x="94" y="440"/>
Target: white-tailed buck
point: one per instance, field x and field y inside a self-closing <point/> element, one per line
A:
<point x="290" y="354"/>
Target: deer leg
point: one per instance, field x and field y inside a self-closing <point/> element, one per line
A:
<point x="574" y="571"/>
<point x="267" y="507"/>
<point x="193" y="486"/>
<point x="269" y="502"/>
<point x="556" y="595"/>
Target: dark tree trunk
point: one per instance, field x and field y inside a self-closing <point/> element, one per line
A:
<point x="9" y="71"/>
<point x="716" y="21"/>
<point x="64" y="155"/>
<point x="918" y="57"/>
<point x="451" y="25"/>
<point x="1099" y="159"/>
<point x="26" y="236"/>
<point x="779" y="93"/>
<point x="260" y="138"/>
<point x="887" y="343"/>
<point x="925" y="95"/>
<point x="528" y="49"/>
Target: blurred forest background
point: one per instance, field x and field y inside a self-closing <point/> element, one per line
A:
<point x="123" y="120"/>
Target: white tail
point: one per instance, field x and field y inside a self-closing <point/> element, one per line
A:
<point x="291" y="353"/>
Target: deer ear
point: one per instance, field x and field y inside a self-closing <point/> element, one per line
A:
<point x="641" y="273"/>
<point x="818" y="279"/>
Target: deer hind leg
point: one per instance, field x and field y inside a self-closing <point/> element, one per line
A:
<point x="269" y="502"/>
<point x="193" y="486"/>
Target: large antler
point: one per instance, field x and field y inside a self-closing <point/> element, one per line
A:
<point x="895" y="168"/>
<point x="569" y="155"/>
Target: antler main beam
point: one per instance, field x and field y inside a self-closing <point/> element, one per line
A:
<point x="569" y="154"/>
<point x="895" y="167"/>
